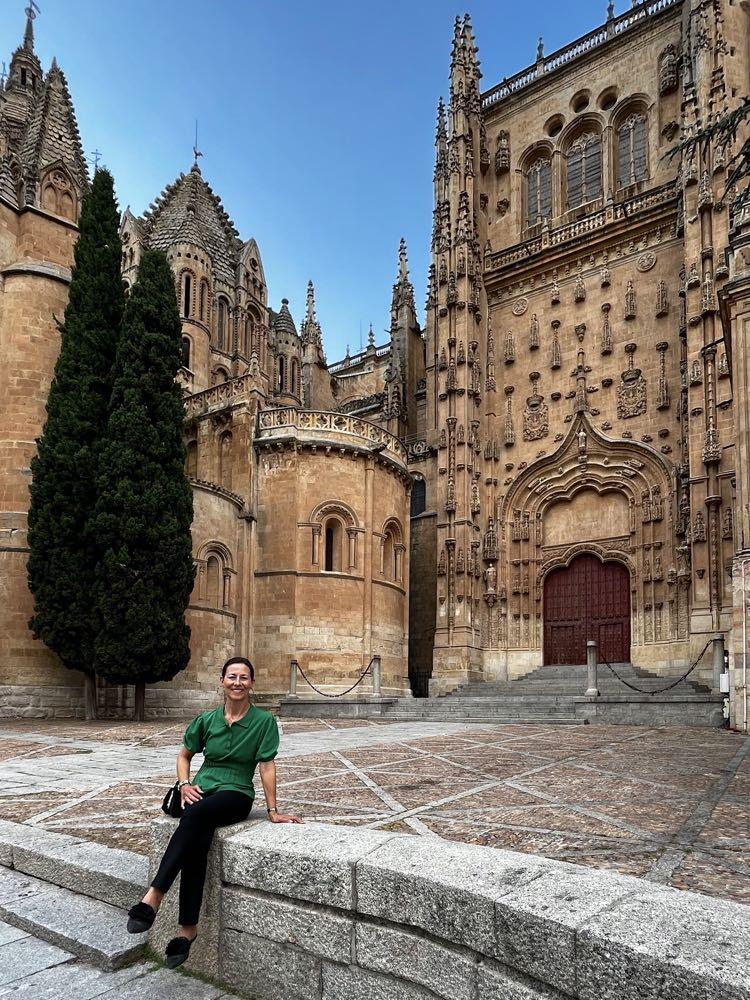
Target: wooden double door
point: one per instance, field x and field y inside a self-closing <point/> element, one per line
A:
<point x="587" y="600"/>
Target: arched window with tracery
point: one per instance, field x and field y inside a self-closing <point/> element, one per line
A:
<point x="280" y="373"/>
<point x="584" y="170"/>
<point x="632" y="151"/>
<point x="185" y="351"/>
<point x="538" y="191"/>
<point x="187" y="294"/>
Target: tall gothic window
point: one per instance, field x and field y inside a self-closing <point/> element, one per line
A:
<point x="187" y="294"/>
<point x="185" y="351"/>
<point x="203" y="300"/>
<point x="584" y="170"/>
<point x="221" y="326"/>
<point x="632" y="158"/>
<point x="281" y="374"/>
<point x="538" y="192"/>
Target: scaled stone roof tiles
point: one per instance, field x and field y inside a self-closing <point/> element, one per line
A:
<point x="188" y="211"/>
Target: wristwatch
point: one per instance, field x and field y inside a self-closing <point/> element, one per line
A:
<point x="273" y="809"/>
<point x="181" y="784"/>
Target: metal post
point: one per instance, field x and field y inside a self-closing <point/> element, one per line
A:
<point x="376" y="676"/>
<point x="293" y="678"/>
<point x="718" y="659"/>
<point x="591" y="657"/>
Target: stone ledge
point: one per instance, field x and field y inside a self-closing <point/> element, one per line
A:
<point x="349" y="912"/>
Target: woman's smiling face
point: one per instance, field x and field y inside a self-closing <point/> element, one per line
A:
<point x="236" y="682"/>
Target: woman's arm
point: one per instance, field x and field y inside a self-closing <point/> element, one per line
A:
<point x="268" y="779"/>
<point x="188" y="793"/>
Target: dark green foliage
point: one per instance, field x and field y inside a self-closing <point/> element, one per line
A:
<point x="62" y="560"/>
<point x="723" y="132"/>
<point x="145" y="506"/>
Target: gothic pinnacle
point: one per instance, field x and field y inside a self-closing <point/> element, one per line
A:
<point x="370" y="337"/>
<point x="310" y="301"/>
<point x="441" y="132"/>
<point x="403" y="267"/>
<point x="28" y="35"/>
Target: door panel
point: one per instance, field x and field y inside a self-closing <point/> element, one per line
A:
<point x="587" y="600"/>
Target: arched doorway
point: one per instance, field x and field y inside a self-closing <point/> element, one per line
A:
<point x="586" y="600"/>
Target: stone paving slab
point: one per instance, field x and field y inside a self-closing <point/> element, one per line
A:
<point x="667" y="804"/>
<point x="31" y="969"/>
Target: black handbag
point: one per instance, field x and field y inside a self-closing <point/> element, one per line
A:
<point x="172" y="804"/>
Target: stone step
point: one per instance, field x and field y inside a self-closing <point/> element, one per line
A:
<point x="108" y="874"/>
<point x="89" y="928"/>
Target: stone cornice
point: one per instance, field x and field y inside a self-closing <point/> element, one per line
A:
<point x="41" y="268"/>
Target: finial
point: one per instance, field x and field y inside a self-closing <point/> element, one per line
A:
<point x="441" y="132"/>
<point x="310" y="301"/>
<point x="285" y="302"/>
<point x="540" y="50"/>
<point x="370" y="337"/>
<point x="3" y="72"/>
<point x="96" y="156"/>
<point x="611" y="10"/>
<point x="403" y="269"/>
<point x="28" y="37"/>
<point x="196" y="151"/>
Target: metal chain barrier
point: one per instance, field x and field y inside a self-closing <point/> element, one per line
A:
<point x="340" y="694"/>
<point x="657" y="690"/>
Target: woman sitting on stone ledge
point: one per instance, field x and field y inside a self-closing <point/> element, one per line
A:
<point x="234" y="738"/>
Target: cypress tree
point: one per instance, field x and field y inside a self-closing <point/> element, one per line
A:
<point x="61" y="563"/>
<point x="145" y="506"/>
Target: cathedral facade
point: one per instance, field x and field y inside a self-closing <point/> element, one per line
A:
<point x="561" y="454"/>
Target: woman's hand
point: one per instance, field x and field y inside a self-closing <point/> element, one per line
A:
<point x="277" y="817"/>
<point x="190" y="794"/>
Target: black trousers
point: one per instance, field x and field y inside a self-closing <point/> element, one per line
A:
<point x="187" y="851"/>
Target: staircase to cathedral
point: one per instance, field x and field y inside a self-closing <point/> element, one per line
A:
<point x="556" y="694"/>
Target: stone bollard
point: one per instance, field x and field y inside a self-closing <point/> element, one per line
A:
<point x="591" y="657"/>
<point x="718" y="659"/>
<point x="376" y="676"/>
<point x="293" y="678"/>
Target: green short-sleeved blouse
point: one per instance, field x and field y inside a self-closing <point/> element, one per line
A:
<point x="231" y="753"/>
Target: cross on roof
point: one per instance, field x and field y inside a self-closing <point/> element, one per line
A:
<point x="196" y="151"/>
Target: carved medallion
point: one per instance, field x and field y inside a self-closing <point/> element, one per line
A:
<point x="646" y="261"/>
<point x="520" y="306"/>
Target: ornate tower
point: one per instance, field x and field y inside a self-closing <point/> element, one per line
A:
<point x="42" y="180"/>
<point x="457" y="352"/>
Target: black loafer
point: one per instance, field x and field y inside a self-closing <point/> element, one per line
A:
<point x="177" y="951"/>
<point x="140" y="918"/>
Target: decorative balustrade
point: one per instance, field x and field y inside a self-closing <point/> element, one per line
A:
<point x="356" y="359"/>
<point x="323" y="423"/>
<point x="589" y="223"/>
<point x="615" y="26"/>
<point x="218" y="396"/>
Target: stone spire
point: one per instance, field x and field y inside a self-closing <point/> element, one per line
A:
<point x="28" y="35"/>
<point x="403" y="290"/>
<point x="310" y="332"/>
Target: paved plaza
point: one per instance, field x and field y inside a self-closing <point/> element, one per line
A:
<point x="670" y="805"/>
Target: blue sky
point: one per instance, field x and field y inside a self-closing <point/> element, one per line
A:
<point x="316" y="121"/>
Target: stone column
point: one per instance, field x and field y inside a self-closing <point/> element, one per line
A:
<point x="591" y="657"/>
